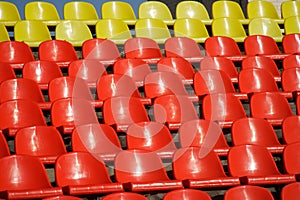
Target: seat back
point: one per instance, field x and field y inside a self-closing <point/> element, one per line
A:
<point x="259" y="9"/>
<point x="6" y="72"/>
<point x="291" y="80"/>
<point x="291" y="43"/>
<point x="40" y="10"/>
<point x="221" y="46"/>
<point x="4" y="148"/>
<point x="156" y="10"/>
<point x="227" y="9"/>
<point x="289" y="129"/>
<point x="124" y="196"/>
<point x="291" y="61"/>
<point x="9" y="11"/>
<point x="250" y="192"/>
<point x="291" y="25"/>
<point x="117" y="10"/>
<point x="260" y="45"/>
<point x="289" y="191"/>
<point x="4" y="36"/>
<point x="290" y="8"/>
<point x="291" y="158"/>
<point x="191" y="9"/>
<point x="80" y="10"/>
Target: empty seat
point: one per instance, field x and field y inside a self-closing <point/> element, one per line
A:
<point x="205" y="134"/>
<point x="100" y="140"/>
<point x="151" y="136"/>
<point x="291" y="25"/>
<point x="6" y="72"/>
<point x="124" y="196"/>
<point x="228" y="9"/>
<point x="198" y="168"/>
<point x="291" y="80"/>
<point x="79" y="173"/>
<point x="17" y="114"/>
<point x="184" y="47"/>
<point x="59" y="51"/>
<point x="156" y="10"/>
<point x="79" y="10"/>
<point x="289" y="127"/>
<point x="291" y="61"/>
<point x="40" y="10"/>
<point x="74" y="31"/>
<point x="291" y="159"/>
<point x="43" y="142"/>
<point x="4" y="36"/>
<point x="257" y="166"/>
<point x="192" y="9"/>
<point x="291" y="43"/>
<point x="190" y="194"/>
<point x="290" y="8"/>
<point x="289" y="191"/>
<point x="143" y="171"/>
<point x="9" y="13"/>
<point x="263" y="9"/>
<point x="26" y="178"/>
<point x="255" y="131"/>
<point x="249" y="192"/>
<point x="15" y="53"/>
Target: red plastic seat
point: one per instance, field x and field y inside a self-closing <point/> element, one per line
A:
<point x="15" y="53"/>
<point x="21" y="88"/>
<point x="291" y="80"/>
<point x="187" y="194"/>
<point x="151" y="136"/>
<point x="198" y="168"/>
<point x="291" y="61"/>
<point x="178" y="65"/>
<point x="44" y="142"/>
<point x="271" y="106"/>
<point x="224" y="108"/>
<point x="143" y="171"/>
<point x="220" y="63"/>
<point x="4" y="148"/>
<point x="6" y="72"/>
<point x="100" y="140"/>
<point x="255" y="131"/>
<point x="249" y="192"/>
<point x="68" y="113"/>
<point x="257" y="166"/>
<point x="62" y="197"/>
<point x="173" y="110"/>
<point x="122" y="111"/>
<point x="79" y="173"/>
<point x="142" y="48"/>
<point x="26" y="178"/>
<point x="114" y="85"/>
<point x="183" y="47"/>
<point x="290" y="191"/>
<point x="290" y="126"/>
<point x="137" y="69"/>
<point x="17" y="114"/>
<point x="42" y="72"/>
<point x="124" y="196"/>
<point x="106" y="51"/>
<point x="88" y="70"/>
<point x="223" y="46"/>
<point x="291" y="159"/>
<point x="263" y="45"/>
<point x="205" y="134"/>
<point x="291" y="43"/>
<point x="262" y="62"/>
<point x="59" y="51"/>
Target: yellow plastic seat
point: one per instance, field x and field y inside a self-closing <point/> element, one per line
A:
<point x="229" y="27"/>
<point x="118" y="10"/>
<point x="155" y="10"/>
<point x="73" y="31"/>
<point x="292" y="25"/>
<point x="80" y="10"/>
<point x="113" y="29"/>
<point x="265" y="9"/>
<point x="191" y="28"/>
<point x="155" y="29"/>
<point x="290" y="8"/>
<point x="40" y="10"/>
<point x="4" y="36"/>
<point x="32" y="32"/>
<point x="192" y="9"/>
<point x="9" y="13"/>
<point x="265" y="26"/>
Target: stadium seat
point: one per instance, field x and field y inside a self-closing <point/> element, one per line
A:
<point x="15" y="53"/>
<point x="124" y="196"/>
<point x="289" y="191"/>
<point x="228" y="9"/>
<point x="220" y="63"/>
<point x="137" y="69"/>
<point x="103" y="50"/>
<point x="184" y="47"/>
<point x="6" y="72"/>
<point x="88" y="70"/>
<point x="44" y="142"/>
<point x="151" y="136"/>
<point x="257" y="166"/>
<point x="17" y="114"/>
<point x="9" y="13"/>
<point x="265" y="26"/>
<point x="290" y="8"/>
<point x="291" y="81"/>
<point x="100" y="140"/>
<point x="74" y="31"/>
<point x="291" y="61"/>
<point x="120" y="112"/>
<point x="271" y="106"/>
<point x="192" y="9"/>
<point x="113" y="29"/>
<point x="4" y="36"/>
<point x="263" y="9"/>
<point x="291" y="43"/>
<point x="4" y="148"/>
<point x="191" y="28"/>
<point x="79" y="173"/>
<point x="291" y="159"/>
<point x="255" y="131"/>
<point x="154" y="29"/>
<point x="143" y="171"/>
<point x="26" y="178"/>
<point x="205" y="134"/>
<point x="249" y="192"/>
<point x="200" y="169"/>
<point x="224" y="108"/>
<point x="191" y="194"/>
<point x="289" y="129"/>
<point x="59" y="51"/>
<point x="291" y="25"/>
